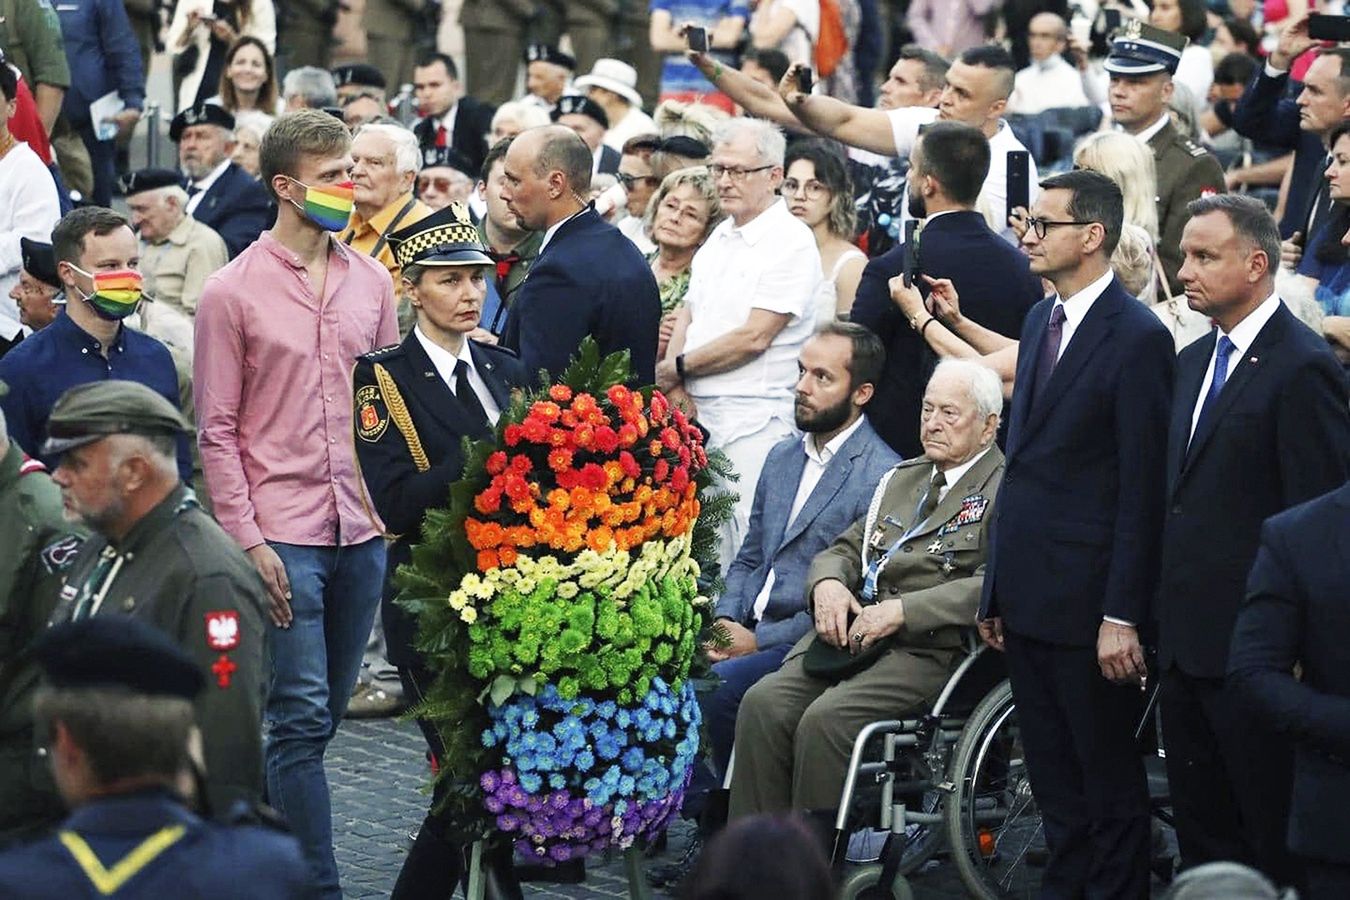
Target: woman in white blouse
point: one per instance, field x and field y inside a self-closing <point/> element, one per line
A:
<point x="202" y="32"/>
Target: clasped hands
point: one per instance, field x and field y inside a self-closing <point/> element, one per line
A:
<point x="832" y="603"/>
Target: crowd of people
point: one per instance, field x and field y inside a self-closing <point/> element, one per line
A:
<point x="232" y="387"/>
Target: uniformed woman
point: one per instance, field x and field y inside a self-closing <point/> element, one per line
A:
<point x="414" y="404"/>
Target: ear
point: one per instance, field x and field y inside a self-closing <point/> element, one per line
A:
<point x="997" y="108"/>
<point x="1258" y="266"/>
<point x="932" y="98"/>
<point x="1094" y="237"/>
<point x="66" y="272"/>
<point x="989" y="430"/>
<point x="1167" y="90"/>
<point x="281" y="187"/>
<point x="863" y="393"/>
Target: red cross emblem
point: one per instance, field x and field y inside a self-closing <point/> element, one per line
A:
<point x="223" y="668"/>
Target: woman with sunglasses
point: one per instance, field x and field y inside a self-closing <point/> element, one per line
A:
<point x="819" y="191"/>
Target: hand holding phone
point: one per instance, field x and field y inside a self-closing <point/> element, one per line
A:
<point x="1018" y="181"/>
<point x="697" y="38"/>
<point x="804" y="79"/>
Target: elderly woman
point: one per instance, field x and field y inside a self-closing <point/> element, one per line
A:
<point x="680" y="216"/>
<point x="819" y="191"/>
<point x="444" y="270"/>
<point x="513" y="117"/>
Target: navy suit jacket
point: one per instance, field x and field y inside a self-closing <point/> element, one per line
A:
<point x="1296" y="612"/>
<point x="1280" y="435"/>
<point x="237" y="208"/>
<point x="996" y="293"/>
<point x="838" y="500"/>
<point x="1267" y="114"/>
<point x="1076" y="533"/>
<point x="588" y="280"/>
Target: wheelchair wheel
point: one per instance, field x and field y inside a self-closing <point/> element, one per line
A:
<point x="992" y="822"/>
<point x="865" y="884"/>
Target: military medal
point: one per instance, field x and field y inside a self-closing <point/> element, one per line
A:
<point x="935" y="547"/>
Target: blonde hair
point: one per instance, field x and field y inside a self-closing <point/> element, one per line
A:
<point x="1128" y="162"/>
<point x="695" y="120"/>
<point x="1133" y="261"/>
<point x="700" y="180"/>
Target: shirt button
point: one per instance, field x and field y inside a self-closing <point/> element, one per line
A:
<point x="332" y="440"/>
<point x="84" y="349"/>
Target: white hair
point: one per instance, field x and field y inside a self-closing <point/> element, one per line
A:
<point x="407" y="153"/>
<point x="526" y="115"/>
<point x="768" y="138"/>
<point x="160" y="451"/>
<point x="175" y="193"/>
<point x="312" y="83"/>
<point x="983" y="385"/>
<point x="254" y="120"/>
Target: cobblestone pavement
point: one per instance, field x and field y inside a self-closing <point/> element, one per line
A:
<point x="377" y="771"/>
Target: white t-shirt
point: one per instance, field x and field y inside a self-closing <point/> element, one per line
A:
<point x="29" y="208"/>
<point x="799" y="45"/>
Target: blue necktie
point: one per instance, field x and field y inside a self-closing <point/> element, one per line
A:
<point x="1221" y="354"/>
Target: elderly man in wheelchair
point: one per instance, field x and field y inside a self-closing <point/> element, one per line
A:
<point x="890" y="599"/>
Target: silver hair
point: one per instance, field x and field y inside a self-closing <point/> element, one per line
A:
<point x="770" y="144"/>
<point x="314" y="84"/>
<point x="173" y="192"/>
<point x="983" y="385"/>
<point x="525" y="115"/>
<point x="160" y="451"/>
<point x="407" y="154"/>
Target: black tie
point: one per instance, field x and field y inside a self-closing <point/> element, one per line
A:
<point x="465" y="395"/>
<point x="1049" y="355"/>
<point x="193" y="190"/>
<point x="930" y="499"/>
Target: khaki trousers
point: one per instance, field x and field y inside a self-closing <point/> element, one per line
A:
<point x="795" y="733"/>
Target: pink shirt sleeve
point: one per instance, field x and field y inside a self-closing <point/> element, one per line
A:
<point x="218" y="381"/>
<point x="388" y="331"/>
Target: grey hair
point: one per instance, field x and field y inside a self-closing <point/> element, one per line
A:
<point x="770" y="144"/>
<point x="407" y="154"/>
<point x="1249" y="218"/>
<point x="983" y="385"/>
<point x="123" y="734"/>
<point x="161" y="451"/>
<point x="526" y="115"/>
<point x="314" y="84"/>
<point x="175" y="193"/>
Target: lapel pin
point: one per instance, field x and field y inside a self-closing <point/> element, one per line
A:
<point x="1252" y="360"/>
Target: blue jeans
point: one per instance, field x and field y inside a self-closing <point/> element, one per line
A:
<point x="335" y="592"/>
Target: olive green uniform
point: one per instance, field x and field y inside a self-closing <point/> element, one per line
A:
<point x="496" y="33"/>
<point x="308" y="33"/>
<point x="794" y="732"/>
<point x="392" y="38"/>
<point x="37" y="543"/>
<point x="590" y="25"/>
<point x="179" y="571"/>
<point x="30" y="36"/>
<point x="1186" y="172"/>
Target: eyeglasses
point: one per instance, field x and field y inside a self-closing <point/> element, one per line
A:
<point x="736" y="173"/>
<point x="629" y="180"/>
<point x="1041" y="226"/>
<point x="814" y="189"/>
<point x="441" y="183"/>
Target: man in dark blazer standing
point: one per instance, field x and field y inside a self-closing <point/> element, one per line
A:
<point x="588" y="278"/>
<point x="1074" y="552"/>
<point x="1260" y="423"/>
<point x="449" y="117"/>
<point x="221" y="195"/>
<point x="948" y="166"/>
<point x="1296" y="614"/>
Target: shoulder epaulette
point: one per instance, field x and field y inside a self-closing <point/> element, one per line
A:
<point x="380" y="354"/>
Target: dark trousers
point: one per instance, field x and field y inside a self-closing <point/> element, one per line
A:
<point x="1325" y="880"/>
<point x="1087" y="773"/>
<point x="1229" y="779"/>
<point x="719" y="708"/>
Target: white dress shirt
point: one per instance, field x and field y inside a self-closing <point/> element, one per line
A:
<point x="1076" y="309"/>
<point x="817" y="461"/>
<point x="956" y="473"/>
<point x="445" y="362"/>
<point x="1147" y="134"/>
<point x="1242" y="335"/>
<point x="199" y="188"/>
<point x="1051" y="83"/>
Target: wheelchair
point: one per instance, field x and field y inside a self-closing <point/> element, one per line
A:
<point x="955" y="780"/>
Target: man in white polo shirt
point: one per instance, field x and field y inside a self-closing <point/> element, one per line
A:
<point x="977" y="90"/>
<point x="748" y="311"/>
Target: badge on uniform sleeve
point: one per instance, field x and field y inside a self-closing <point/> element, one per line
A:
<point x="222" y="630"/>
<point x="60" y="553"/>
<point x="971" y="512"/>
<point x="223" y="669"/>
<point x="371" y="416"/>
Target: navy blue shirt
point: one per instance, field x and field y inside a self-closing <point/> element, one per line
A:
<point x="50" y="362"/>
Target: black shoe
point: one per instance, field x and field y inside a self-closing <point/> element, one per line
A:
<point x="571" y="872"/>
<point x="500" y="881"/>
<point x="671" y="874"/>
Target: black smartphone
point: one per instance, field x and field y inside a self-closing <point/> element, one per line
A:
<point x="1018" y="180"/>
<point x="1322" y="27"/>
<point x="911" y="260"/>
<point x="697" y="38"/>
<point x="804" y="79"/>
<point x="1105" y="25"/>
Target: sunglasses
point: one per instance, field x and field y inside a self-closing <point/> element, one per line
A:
<point x="628" y="181"/>
<point x="441" y="183"/>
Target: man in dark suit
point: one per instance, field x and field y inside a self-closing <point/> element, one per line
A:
<point x="1296" y="615"/>
<point x="221" y="195"/>
<point x="948" y="166"/>
<point x="449" y="117"/>
<point x="588" y="278"/>
<point x="1267" y="114"/>
<point x="1075" y="543"/>
<point x="1260" y="423"/>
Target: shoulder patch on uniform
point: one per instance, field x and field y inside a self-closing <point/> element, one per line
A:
<point x="30" y="466"/>
<point x="222" y="629"/>
<point x="1193" y="148"/>
<point x="382" y="353"/>
<point x="372" y="416"/>
<point x="59" y="554"/>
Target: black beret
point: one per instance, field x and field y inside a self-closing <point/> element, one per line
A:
<point x="200" y="114"/>
<point x="447" y="157"/>
<point x="550" y="54"/>
<point x="117" y="651"/>
<point x="149" y="180"/>
<point x="39" y="260"/>
<point x="575" y="104"/>
<point x="363" y="74"/>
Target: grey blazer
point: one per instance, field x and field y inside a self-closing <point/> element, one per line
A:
<point x="838" y="500"/>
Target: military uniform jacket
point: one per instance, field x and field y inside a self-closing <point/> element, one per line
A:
<point x="182" y="856"/>
<point x="938" y="572"/>
<point x="177" y="570"/>
<point x="399" y="492"/>
<point x="38" y="544"/>
<point x="1186" y="172"/>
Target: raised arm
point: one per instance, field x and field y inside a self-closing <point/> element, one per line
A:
<point x="755" y="98"/>
<point x="857" y="126"/>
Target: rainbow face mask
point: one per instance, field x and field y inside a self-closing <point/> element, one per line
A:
<point x="116" y="294"/>
<point x="328" y="206"/>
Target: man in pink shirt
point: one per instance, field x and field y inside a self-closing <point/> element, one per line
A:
<point x="278" y="331"/>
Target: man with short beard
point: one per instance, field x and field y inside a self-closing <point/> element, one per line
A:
<point x="221" y="195"/>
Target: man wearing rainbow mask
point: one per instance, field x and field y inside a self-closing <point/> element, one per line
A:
<point x="98" y="259"/>
<point x="278" y="331"/>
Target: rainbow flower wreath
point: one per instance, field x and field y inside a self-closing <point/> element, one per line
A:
<point x="559" y="604"/>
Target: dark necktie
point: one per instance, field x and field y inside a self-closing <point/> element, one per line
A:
<point x="1049" y="355"/>
<point x="193" y="190"/>
<point x="465" y="395"/>
<point x="930" y="499"/>
<point x="1224" y="350"/>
